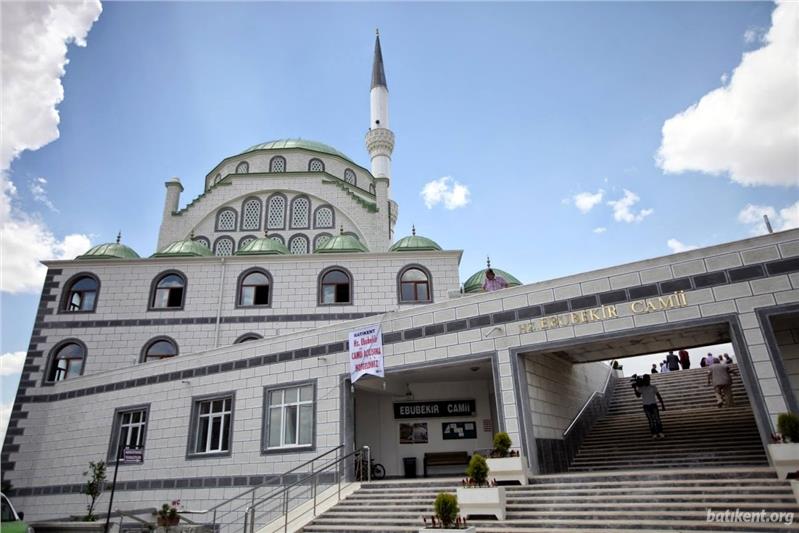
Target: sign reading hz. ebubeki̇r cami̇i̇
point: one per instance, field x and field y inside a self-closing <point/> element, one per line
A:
<point x="366" y="352"/>
<point x="435" y="409"/>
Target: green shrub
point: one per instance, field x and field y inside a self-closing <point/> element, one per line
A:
<point x="788" y="425"/>
<point x="94" y="487"/>
<point x="446" y="508"/>
<point x="477" y="470"/>
<point x="502" y="444"/>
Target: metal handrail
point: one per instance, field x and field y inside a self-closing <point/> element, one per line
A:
<point x="249" y="515"/>
<point x="590" y="399"/>
<point x="267" y="480"/>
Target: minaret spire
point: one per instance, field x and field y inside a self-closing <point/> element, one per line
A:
<point x="378" y="72"/>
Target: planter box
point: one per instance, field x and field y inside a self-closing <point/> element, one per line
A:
<point x="69" y="527"/>
<point x="482" y="501"/>
<point x="470" y="529"/>
<point x="784" y="458"/>
<point x="508" y="469"/>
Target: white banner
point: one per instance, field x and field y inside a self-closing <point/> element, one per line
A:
<point x="366" y="352"/>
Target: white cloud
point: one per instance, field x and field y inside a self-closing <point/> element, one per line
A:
<point x="585" y="201"/>
<point x="746" y="128"/>
<point x="676" y="246"/>
<point x="600" y="229"/>
<point x="35" y="39"/>
<point x="753" y="35"/>
<point x="38" y="188"/>
<point x="11" y="363"/>
<point x="622" y="208"/>
<point x="445" y="191"/>
<point x="785" y="218"/>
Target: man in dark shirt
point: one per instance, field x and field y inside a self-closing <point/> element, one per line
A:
<point x="648" y="394"/>
<point x="672" y="361"/>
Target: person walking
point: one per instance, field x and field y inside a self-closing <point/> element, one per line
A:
<point x="654" y="368"/>
<point x="727" y="359"/>
<point x="709" y="359"/>
<point x="650" y="395"/>
<point x="672" y="361"/>
<point x="720" y="378"/>
<point x="685" y="359"/>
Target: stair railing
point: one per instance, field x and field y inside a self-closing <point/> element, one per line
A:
<point x="282" y="494"/>
<point x="594" y="395"/>
<point x="225" y="519"/>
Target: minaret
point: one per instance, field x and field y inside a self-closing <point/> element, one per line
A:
<point x="380" y="144"/>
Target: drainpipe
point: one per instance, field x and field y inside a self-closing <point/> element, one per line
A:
<point x="219" y="303"/>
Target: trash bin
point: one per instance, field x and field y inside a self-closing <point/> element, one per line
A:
<point x="409" y="466"/>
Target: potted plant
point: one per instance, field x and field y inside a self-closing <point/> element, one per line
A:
<point x="168" y="514"/>
<point x="506" y="464"/>
<point x="446" y="516"/>
<point x="477" y="496"/>
<point x="784" y="452"/>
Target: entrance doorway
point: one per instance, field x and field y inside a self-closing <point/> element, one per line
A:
<point x="423" y="411"/>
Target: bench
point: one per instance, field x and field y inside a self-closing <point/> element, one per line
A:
<point x="445" y="459"/>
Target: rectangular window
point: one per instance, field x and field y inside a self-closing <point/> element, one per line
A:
<point x="289" y="417"/>
<point x="129" y="429"/>
<point x="211" y="425"/>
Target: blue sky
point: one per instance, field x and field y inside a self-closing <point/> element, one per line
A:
<point x="525" y="104"/>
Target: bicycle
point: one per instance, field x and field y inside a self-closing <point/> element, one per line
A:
<point x="378" y="471"/>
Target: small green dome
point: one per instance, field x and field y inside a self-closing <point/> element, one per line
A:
<point x="187" y="248"/>
<point x="341" y="244"/>
<point x="475" y="282"/>
<point x="110" y="250"/>
<point x="264" y="246"/>
<point x="414" y="243"/>
<point x="282" y="144"/>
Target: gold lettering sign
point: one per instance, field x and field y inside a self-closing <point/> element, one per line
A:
<point x="605" y="312"/>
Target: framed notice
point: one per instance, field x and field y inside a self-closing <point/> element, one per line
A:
<point x="459" y="430"/>
<point x="415" y="433"/>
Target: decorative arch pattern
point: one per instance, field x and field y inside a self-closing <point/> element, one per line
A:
<point x="316" y="165"/>
<point x="324" y="217"/>
<point x="320" y="240"/>
<point x="223" y="246"/>
<point x="244" y="241"/>
<point x="349" y="176"/>
<point x="243" y="168"/>
<point x="298" y="244"/>
<point x="300" y="212"/>
<point x="203" y="240"/>
<point x="251" y="214"/>
<point x="248" y="337"/>
<point x="226" y="219"/>
<point x="277" y="164"/>
<point x="276" y="211"/>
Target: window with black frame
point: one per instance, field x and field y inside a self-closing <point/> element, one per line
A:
<point x="82" y="295"/>
<point x="335" y="287"/>
<point x="254" y="289"/>
<point x="414" y="286"/>
<point x="67" y="362"/>
<point x="130" y="427"/>
<point x="168" y="293"/>
<point x="159" y="349"/>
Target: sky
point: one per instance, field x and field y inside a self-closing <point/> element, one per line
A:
<point x="555" y="138"/>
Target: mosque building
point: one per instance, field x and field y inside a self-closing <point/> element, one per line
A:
<point x="225" y="355"/>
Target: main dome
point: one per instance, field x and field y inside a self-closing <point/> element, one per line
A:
<point x="313" y="146"/>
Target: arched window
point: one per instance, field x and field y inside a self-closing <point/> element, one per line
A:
<point x="320" y="240"/>
<point x="298" y="244"/>
<point x="277" y="164"/>
<point x="243" y="168"/>
<point x="226" y="219"/>
<point x="247" y="239"/>
<point x="300" y="212"/>
<point x="278" y="238"/>
<point x="204" y="241"/>
<point x="372" y="188"/>
<point x="251" y="214"/>
<point x="316" y="165"/>
<point x="255" y="288"/>
<point x="223" y="246"/>
<point x="217" y="178"/>
<point x="81" y="294"/>
<point x="159" y="348"/>
<point x="335" y="286"/>
<point x="248" y="337"/>
<point x="323" y="217"/>
<point x="349" y="176"/>
<point x="276" y="212"/>
<point x="168" y="291"/>
<point x="66" y="361"/>
<point x="414" y="285"/>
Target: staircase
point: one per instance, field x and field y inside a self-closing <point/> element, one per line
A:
<point x="698" y="433"/>
<point x="621" y="480"/>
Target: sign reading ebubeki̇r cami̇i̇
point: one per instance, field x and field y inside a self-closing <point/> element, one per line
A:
<point x="366" y="352"/>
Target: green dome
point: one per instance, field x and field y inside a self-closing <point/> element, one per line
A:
<point x="264" y="246"/>
<point x="341" y="244"/>
<point x="414" y="243"/>
<point x="282" y="144"/>
<point x="187" y="248"/>
<point x="110" y="250"/>
<point x="475" y="282"/>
